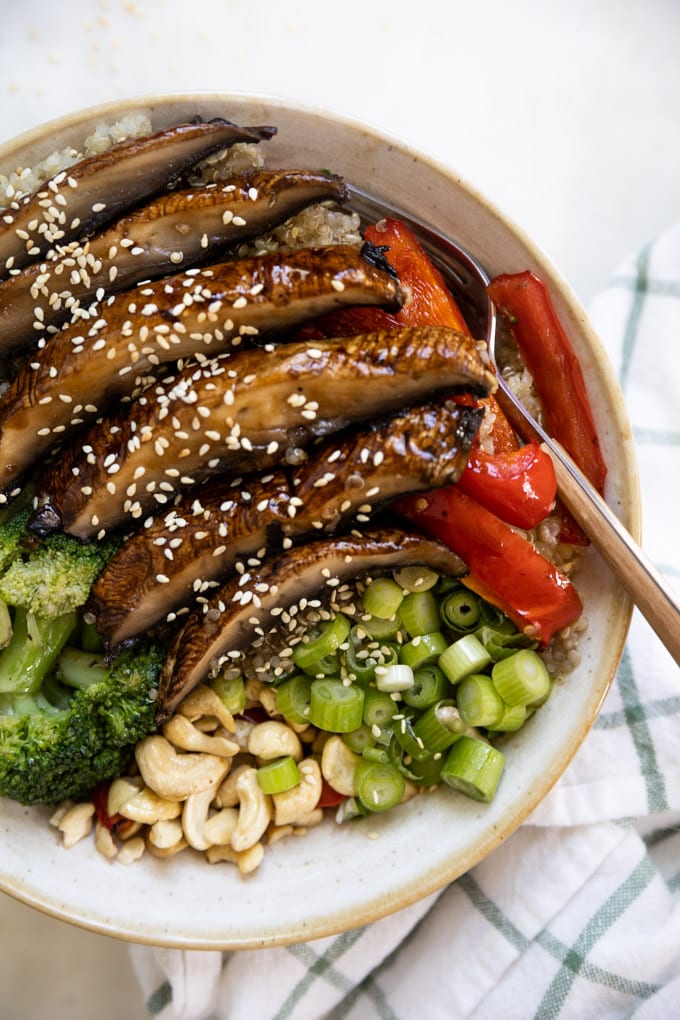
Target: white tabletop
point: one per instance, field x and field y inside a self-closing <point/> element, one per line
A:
<point x="564" y="114"/>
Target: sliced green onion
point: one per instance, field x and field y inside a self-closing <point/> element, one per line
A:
<point x="379" y="629"/>
<point x="382" y="598"/>
<point x="420" y="613"/>
<point x="429" y="685"/>
<point x="439" y="726"/>
<point x="232" y="691"/>
<point x="416" y="578"/>
<point x="427" y="771"/>
<point x="360" y="739"/>
<point x="378" y="786"/>
<point x="359" y="662"/>
<point x="379" y="708"/>
<point x="292" y="698"/>
<point x="335" y="706"/>
<point x="279" y="775"/>
<point x="393" y="678"/>
<point x="495" y="618"/>
<point x="466" y="655"/>
<point x="408" y="740"/>
<point x="474" y="768"/>
<point x="479" y="703"/>
<point x="378" y="754"/>
<point x="522" y="678"/>
<point x="323" y="640"/>
<point x="349" y="808"/>
<point x="460" y="610"/>
<point x="423" y="650"/>
<point x="500" y="644"/>
<point x="514" y="716"/>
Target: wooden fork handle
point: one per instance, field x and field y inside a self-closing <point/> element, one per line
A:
<point x="632" y="568"/>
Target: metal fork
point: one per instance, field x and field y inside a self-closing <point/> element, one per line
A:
<point x="632" y="568"/>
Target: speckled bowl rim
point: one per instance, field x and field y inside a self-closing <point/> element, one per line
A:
<point x="186" y="904"/>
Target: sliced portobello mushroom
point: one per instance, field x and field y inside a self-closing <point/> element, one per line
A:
<point x="93" y="192"/>
<point x="238" y="612"/>
<point x="245" y="412"/>
<point x="179" y="556"/>
<point x="182" y="228"/>
<point x="85" y="369"/>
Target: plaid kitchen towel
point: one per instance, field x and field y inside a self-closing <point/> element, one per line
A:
<point x="577" y="915"/>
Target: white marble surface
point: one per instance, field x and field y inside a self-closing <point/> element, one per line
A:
<point x="563" y="114"/>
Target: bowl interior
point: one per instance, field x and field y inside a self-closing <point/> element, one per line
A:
<point x="339" y="877"/>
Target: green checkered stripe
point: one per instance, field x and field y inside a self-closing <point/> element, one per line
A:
<point x="599" y="935"/>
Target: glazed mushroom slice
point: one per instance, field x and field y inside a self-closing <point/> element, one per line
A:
<point x="181" y="228"/>
<point x="237" y="613"/>
<point x="181" y="554"/>
<point x="83" y="198"/>
<point x="245" y="412"/>
<point x="86" y="368"/>
<point x="177" y="557"/>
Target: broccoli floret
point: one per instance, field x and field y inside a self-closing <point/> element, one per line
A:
<point x="69" y="721"/>
<point x="13" y="532"/>
<point x="53" y="576"/>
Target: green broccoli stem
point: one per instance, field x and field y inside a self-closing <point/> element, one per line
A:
<point x="33" y="650"/>
<point x="81" y="669"/>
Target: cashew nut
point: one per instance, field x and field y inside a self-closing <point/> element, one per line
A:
<point x="187" y="737"/>
<point x="246" y="860"/>
<point x="308" y="821"/>
<point x="194" y="817"/>
<point x="131" y="851"/>
<point x="242" y="728"/>
<point x="104" y="841"/>
<point x="273" y="739"/>
<point x="254" y="813"/>
<point x="76" y="823"/>
<point x="174" y="775"/>
<point x="169" y="851"/>
<point x="204" y="701"/>
<point x="338" y="764"/>
<point x="166" y="833"/>
<point x="268" y="701"/>
<point x="227" y="795"/>
<point x="220" y="826"/>
<point x="301" y="799"/>
<point x="146" y="806"/>
<point x="120" y="791"/>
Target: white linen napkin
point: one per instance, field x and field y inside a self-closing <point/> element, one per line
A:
<point x="576" y="915"/>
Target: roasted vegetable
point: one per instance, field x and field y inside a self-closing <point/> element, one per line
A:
<point x="239" y="611"/>
<point x="58" y="740"/>
<point x="244" y="412"/>
<point x="182" y="228"/>
<point x="181" y="554"/>
<point x="80" y="200"/>
<point x="85" y="369"/>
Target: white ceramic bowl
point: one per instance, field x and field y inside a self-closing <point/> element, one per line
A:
<point x="339" y="877"/>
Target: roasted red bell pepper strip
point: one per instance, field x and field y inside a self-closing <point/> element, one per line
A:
<point x="329" y="796"/>
<point x="536" y="595"/>
<point x="519" y="485"/>
<point x="99" y="798"/>
<point x="428" y="301"/>
<point x="525" y="304"/>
